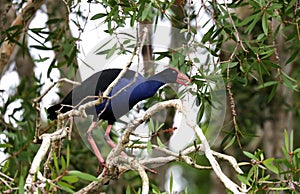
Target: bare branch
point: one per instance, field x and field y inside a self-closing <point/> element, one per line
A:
<point x="124" y="141"/>
<point x="39" y="157"/>
<point x="215" y="165"/>
<point x="182" y="156"/>
<point x="230" y="159"/>
<point x="135" y="165"/>
<point x="235" y="29"/>
<point x="36" y="105"/>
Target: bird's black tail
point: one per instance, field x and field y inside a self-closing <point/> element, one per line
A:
<point x="52" y="111"/>
<point x="52" y="114"/>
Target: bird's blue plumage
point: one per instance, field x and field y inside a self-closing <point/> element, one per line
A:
<point x="118" y="105"/>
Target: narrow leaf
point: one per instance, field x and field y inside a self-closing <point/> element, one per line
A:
<point x="128" y="190"/>
<point x="171" y="182"/>
<point x="250" y="155"/>
<point x="230" y="143"/>
<point x="286" y="140"/>
<point x="63" y="163"/>
<point x="98" y="16"/>
<point x="65" y="186"/>
<point x="68" y="155"/>
<point x="55" y="162"/>
<point x="147" y="11"/>
<point x="82" y="175"/>
<point x="160" y="144"/>
<point x="265" y="23"/>
<point x="267" y="84"/>
<point x="243" y="179"/>
<point x="269" y="165"/>
<point x="149" y="147"/>
<point x="70" y="179"/>
<point x="111" y="51"/>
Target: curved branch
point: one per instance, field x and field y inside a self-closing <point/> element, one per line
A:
<point x="229" y="184"/>
<point x="46" y="142"/>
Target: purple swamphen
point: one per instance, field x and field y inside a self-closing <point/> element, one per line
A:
<point x="134" y="88"/>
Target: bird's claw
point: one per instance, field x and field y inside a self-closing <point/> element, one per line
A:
<point x="100" y="166"/>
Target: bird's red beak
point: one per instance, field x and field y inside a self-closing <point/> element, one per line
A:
<point x="182" y="79"/>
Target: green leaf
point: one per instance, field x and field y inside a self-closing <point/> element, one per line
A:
<point x="171" y="182"/>
<point x="54" y="21"/>
<point x="82" y="175"/>
<point x="158" y="126"/>
<point x="207" y="35"/>
<point x="291" y="141"/>
<point x="63" y="163"/>
<point x="102" y="46"/>
<point x="229" y="65"/>
<point x="40" y="60"/>
<point x="128" y="190"/>
<point x="267" y="84"/>
<point x="269" y="165"/>
<point x="232" y="64"/>
<point x="285" y="152"/>
<point x="55" y="160"/>
<point x="39" y="47"/>
<point x="149" y="147"/>
<point x="196" y="60"/>
<point x="147" y="11"/>
<point x="150" y="126"/>
<point x="65" y="186"/>
<point x="155" y="189"/>
<point x="272" y="93"/>
<point x="6" y="145"/>
<point x="253" y="23"/>
<point x="246" y="21"/>
<point x="160" y="144"/>
<point x="279" y="188"/>
<point x="127" y="41"/>
<point x="286" y="140"/>
<point x="260" y="37"/>
<point x="21" y="185"/>
<point x="111" y="51"/>
<point x="230" y="143"/>
<point x="70" y="179"/>
<point x="98" y="16"/>
<point x="287" y="81"/>
<point x="243" y="179"/>
<point x="293" y="56"/>
<point x="297" y="150"/>
<point x="265" y="23"/>
<point x="250" y="155"/>
<point x="68" y="155"/>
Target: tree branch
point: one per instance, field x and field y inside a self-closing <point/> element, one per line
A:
<point x="214" y="164"/>
<point x="46" y="142"/>
<point x="172" y="156"/>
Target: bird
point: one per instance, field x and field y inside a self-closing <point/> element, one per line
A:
<point x="131" y="89"/>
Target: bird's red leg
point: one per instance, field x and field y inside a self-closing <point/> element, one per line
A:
<point x="113" y="145"/>
<point x="94" y="145"/>
<point x="107" y="138"/>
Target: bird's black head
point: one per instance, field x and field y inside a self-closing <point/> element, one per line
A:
<point x="172" y="75"/>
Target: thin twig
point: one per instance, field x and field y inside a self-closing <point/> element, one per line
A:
<point x="40" y="155"/>
<point x="229" y="184"/>
<point x="135" y="165"/>
<point x="235" y="29"/>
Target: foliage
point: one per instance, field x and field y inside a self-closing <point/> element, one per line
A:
<point x="270" y="174"/>
<point x="255" y="46"/>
